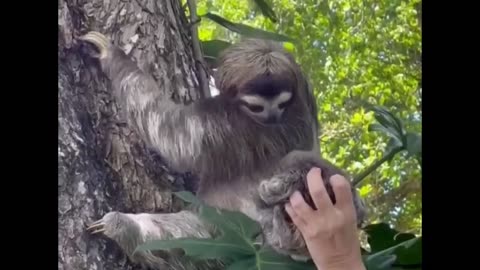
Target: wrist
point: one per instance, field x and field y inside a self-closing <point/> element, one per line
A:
<point x="354" y="264"/>
<point x="357" y="266"/>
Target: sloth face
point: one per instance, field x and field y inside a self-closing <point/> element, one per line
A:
<point x="266" y="98"/>
<point x="266" y="110"/>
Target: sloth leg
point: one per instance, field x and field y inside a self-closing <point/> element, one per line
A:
<point x="131" y="230"/>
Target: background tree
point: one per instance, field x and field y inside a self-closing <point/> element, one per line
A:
<point x="103" y="166"/>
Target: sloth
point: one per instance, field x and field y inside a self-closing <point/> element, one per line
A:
<point x="250" y="146"/>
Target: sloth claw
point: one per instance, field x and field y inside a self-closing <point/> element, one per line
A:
<point x="100" y="41"/>
<point x="96" y="227"/>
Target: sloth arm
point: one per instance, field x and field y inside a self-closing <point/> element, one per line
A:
<point x="180" y="133"/>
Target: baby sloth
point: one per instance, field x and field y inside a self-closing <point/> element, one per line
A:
<point x="273" y="193"/>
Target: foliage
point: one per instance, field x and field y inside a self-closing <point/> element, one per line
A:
<point x="392" y="249"/>
<point x="237" y="245"/>
<point x="355" y="53"/>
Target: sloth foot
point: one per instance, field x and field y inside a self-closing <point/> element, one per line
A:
<point x="276" y="189"/>
<point x="100" y="41"/>
<point x="115" y="225"/>
<point x="96" y="227"/>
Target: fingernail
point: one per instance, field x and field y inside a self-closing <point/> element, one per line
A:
<point x="287" y="206"/>
<point x="336" y="176"/>
<point x="295" y="195"/>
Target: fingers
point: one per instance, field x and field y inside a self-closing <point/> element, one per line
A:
<point x="299" y="205"/>
<point x="343" y="193"/>
<point x="318" y="191"/>
<point x="297" y="220"/>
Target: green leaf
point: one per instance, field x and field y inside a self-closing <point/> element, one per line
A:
<point x="379" y="262"/>
<point x="201" y="10"/>
<point x="393" y="145"/>
<point x="187" y="197"/>
<point x="288" y="46"/>
<point x="414" y="144"/>
<point x="387" y="131"/>
<point x="390" y="122"/>
<point x="199" y="248"/>
<point x="213" y="48"/>
<point x="410" y="251"/>
<point x="233" y="224"/>
<point x="411" y="255"/>
<point x="269" y="259"/>
<point x="389" y="247"/>
<point x="245" y="264"/>
<point x="381" y="237"/>
<point x="267" y="11"/>
<point x="246" y="30"/>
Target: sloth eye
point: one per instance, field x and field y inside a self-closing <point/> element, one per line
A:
<point x="255" y="108"/>
<point x="283" y="105"/>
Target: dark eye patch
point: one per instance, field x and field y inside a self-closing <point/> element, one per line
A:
<point x="267" y="85"/>
<point x="255" y="108"/>
<point x="252" y="107"/>
<point x="283" y="105"/>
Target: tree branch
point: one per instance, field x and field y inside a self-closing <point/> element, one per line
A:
<point x="197" y="52"/>
<point x="374" y="166"/>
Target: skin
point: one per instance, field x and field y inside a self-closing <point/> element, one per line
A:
<point x="330" y="232"/>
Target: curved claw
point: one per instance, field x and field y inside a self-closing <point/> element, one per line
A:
<point x="96" y="227"/>
<point x="100" y="41"/>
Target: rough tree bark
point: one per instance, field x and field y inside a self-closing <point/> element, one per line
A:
<point x="103" y="166"/>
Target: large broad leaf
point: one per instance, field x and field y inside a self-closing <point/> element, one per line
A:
<point x="267" y="11"/>
<point x="392" y="126"/>
<point x="245" y="264"/>
<point x="393" y="145"/>
<point x="379" y="262"/>
<point x="235" y="225"/>
<point x="414" y="144"/>
<point x="267" y="259"/>
<point x="407" y="254"/>
<point x="200" y="248"/>
<point x="246" y="30"/>
<point x="395" y="140"/>
<point x="381" y="237"/>
<point x="212" y="48"/>
<point x="390" y="248"/>
<point x="187" y="197"/>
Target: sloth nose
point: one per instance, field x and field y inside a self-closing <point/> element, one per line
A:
<point x="272" y="119"/>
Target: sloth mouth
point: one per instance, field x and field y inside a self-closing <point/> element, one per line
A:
<point x="269" y="122"/>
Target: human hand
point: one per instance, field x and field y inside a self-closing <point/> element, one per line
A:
<point x="330" y="232"/>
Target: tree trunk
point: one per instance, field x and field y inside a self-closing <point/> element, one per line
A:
<point x="103" y="166"/>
